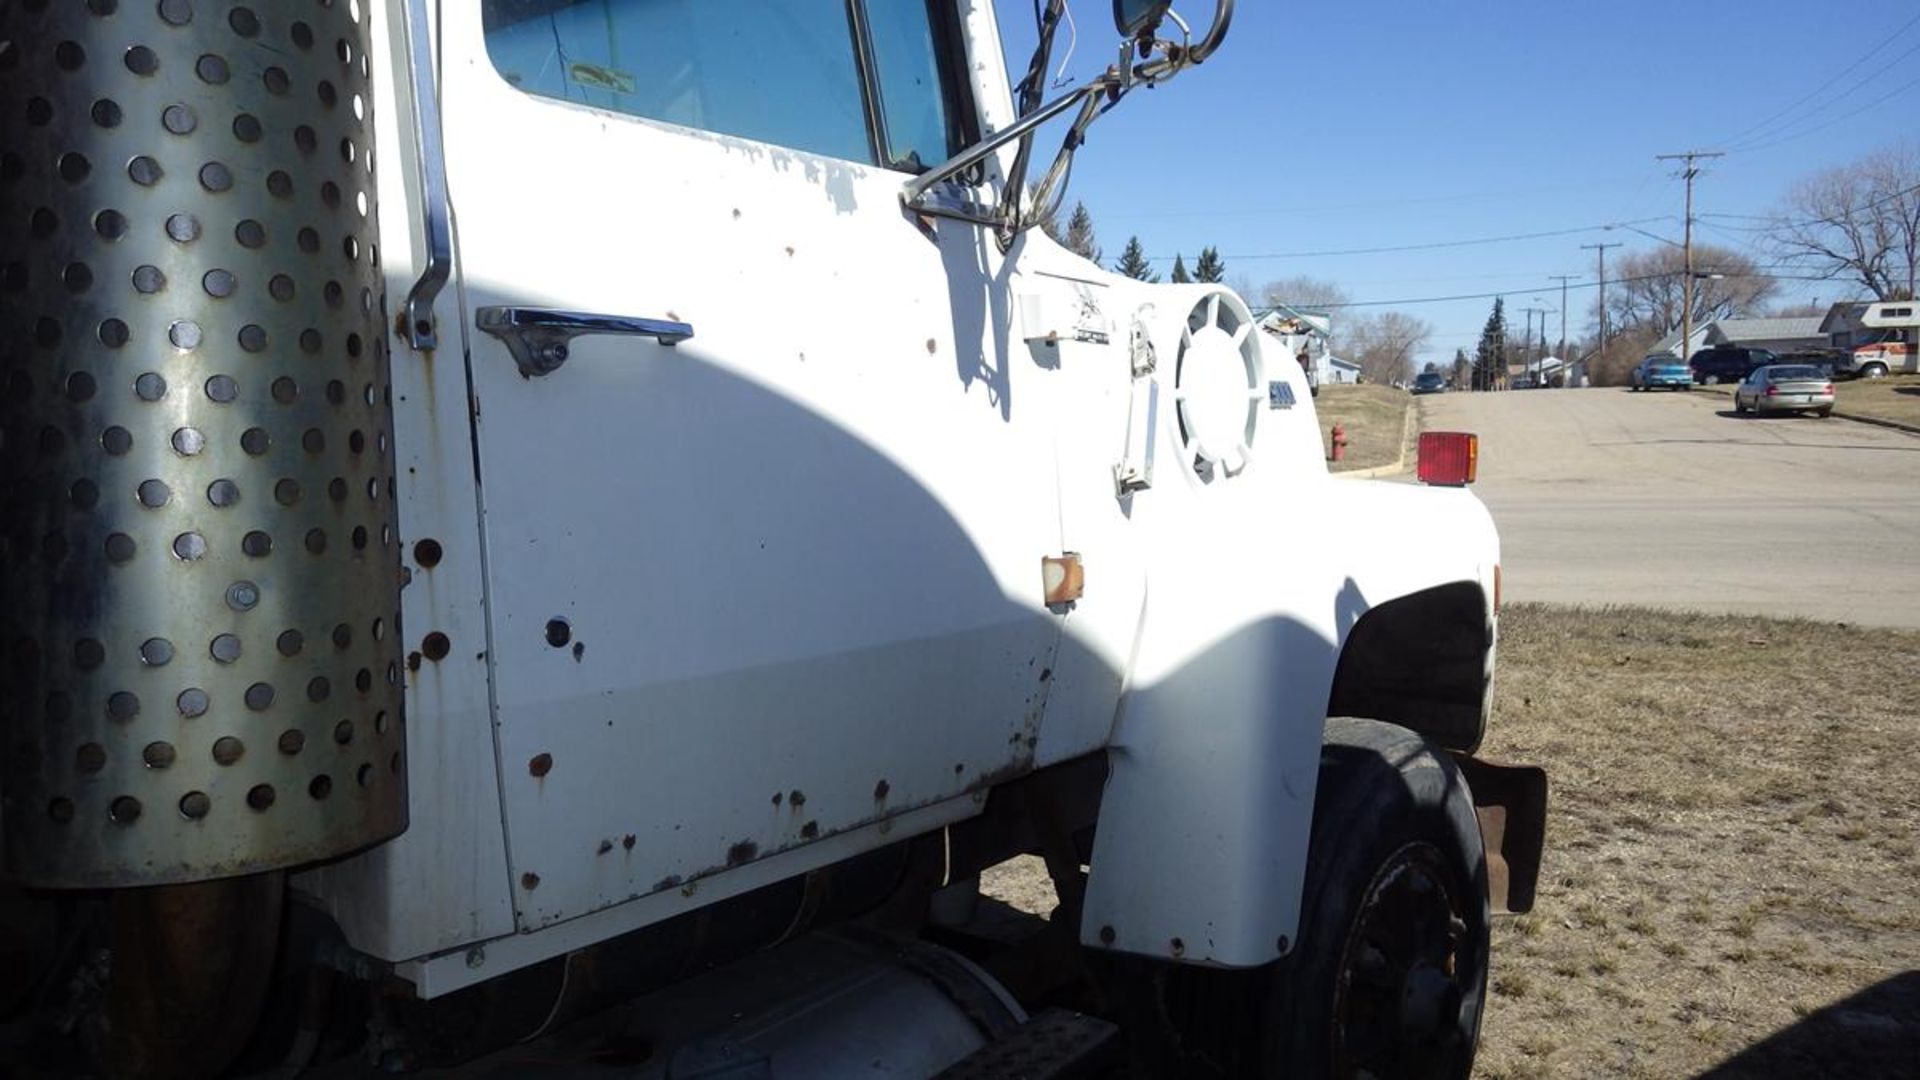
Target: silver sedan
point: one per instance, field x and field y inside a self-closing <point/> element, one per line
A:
<point x="1785" y="388"/>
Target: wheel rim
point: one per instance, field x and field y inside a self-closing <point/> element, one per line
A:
<point x="1408" y="974"/>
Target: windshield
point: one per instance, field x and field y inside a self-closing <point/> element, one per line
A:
<point x="1428" y="379"/>
<point x="1788" y="374"/>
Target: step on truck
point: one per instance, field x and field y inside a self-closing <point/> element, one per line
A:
<point x="547" y="534"/>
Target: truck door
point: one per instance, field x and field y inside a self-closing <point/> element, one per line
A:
<point x="782" y="579"/>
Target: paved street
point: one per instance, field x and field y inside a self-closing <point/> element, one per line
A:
<point x="1608" y="497"/>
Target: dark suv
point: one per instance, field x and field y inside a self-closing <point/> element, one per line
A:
<point x="1727" y="363"/>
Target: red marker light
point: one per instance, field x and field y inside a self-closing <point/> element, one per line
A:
<point x="1449" y="458"/>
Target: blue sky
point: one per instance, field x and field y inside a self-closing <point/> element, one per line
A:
<point x="1330" y="127"/>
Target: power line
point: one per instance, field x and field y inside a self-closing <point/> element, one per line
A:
<point x="1410" y="301"/>
<point x="1777" y="222"/>
<point x="1322" y="208"/>
<point x="1840" y="72"/>
<point x="1895" y="92"/>
<point x="1429" y="246"/>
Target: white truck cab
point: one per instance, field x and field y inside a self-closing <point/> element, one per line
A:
<point x="676" y="505"/>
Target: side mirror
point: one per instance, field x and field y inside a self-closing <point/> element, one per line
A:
<point x="1135" y="18"/>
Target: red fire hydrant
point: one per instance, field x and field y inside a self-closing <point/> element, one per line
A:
<point x="1339" y="444"/>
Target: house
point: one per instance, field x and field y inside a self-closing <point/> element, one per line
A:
<point x="1842" y="327"/>
<point x="1532" y="374"/>
<point x="1306" y="334"/>
<point x="1773" y="335"/>
<point x="1336" y="370"/>
<point x="1671" y="343"/>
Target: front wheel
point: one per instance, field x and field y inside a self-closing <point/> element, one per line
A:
<point x="1711" y="380"/>
<point x="1874" y="370"/>
<point x="1390" y="974"/>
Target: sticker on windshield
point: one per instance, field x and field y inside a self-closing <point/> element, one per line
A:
<point x="596" y="77"/>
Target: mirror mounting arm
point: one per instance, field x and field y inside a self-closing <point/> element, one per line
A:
<point x="918" y="187"/>
<point x="1093" y="99"/>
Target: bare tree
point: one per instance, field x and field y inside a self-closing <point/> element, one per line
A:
<point x="1797" y="309"/>
<point x="1611" y="365"/>
<point x="1858" y="222"/>
<point x="1303" y="292"/>
<point x="1650" y="291"/>
<point x="1384" y="345"/>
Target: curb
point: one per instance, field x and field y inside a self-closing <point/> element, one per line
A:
<point x="1858" y="418"/>
<point x="1406" y="423"/>
<point x="1911" y="429"/>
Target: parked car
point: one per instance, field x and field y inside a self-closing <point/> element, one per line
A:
<point x="1661" y="369"/>
<point x="1785" y="388"/>
<point x="1831" y="362"/>
<point x="1430" y="382"/>
<point x="1728" y="363"/>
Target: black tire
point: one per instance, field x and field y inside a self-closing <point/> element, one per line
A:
<point x="1738" y="409"/>
<point x="1875" y="370"/>
<point x="1823" y="413"/>
<point x="1394" y="838"/>
<point x="1393" y="814"/>
<point x="1711" y="380"/>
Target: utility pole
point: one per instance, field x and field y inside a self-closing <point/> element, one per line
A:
<point x="1563" y="279"/>
<point x="1602" y="248"/>
<point x="1686" y="286"/>
<point x="1526" y="340"/>
<point x="1543" y="336"/>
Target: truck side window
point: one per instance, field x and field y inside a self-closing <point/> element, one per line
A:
<point x="914" y="88"/>
<point x="834" y="77"/>
<point x="777" y="71"/>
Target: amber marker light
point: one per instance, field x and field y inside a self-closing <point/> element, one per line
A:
<point x="1449" y="458"/>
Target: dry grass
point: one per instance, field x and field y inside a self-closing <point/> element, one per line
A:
<point x="1375" y="418"/>
<point x="1733" y="850"/>
<point x="1895" y="398"/>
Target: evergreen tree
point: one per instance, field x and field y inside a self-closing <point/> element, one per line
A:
<point x="1180" y="275"/>
<point x="1049" y="220"/>
<point x="1490" y="359"/>
<point x="1080" y="239"/>
<point x="1462" y="373"/>
<point x="1210" y="268"/>
<point x="1133" y="262"/>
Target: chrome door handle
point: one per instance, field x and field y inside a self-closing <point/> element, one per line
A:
<point x="538" y="337"/>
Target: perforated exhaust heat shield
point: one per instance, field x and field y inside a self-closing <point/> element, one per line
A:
<point x="197" y="551"/>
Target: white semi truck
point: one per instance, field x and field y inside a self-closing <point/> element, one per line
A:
<point x="545" y="535"/>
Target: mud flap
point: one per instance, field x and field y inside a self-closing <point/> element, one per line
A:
<point x="1511" y="803"/>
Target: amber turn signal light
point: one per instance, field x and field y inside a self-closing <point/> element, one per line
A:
<point x="1449" y="458"/>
